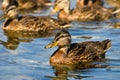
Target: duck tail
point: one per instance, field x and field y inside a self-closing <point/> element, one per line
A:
<point x="49" y="4"/>
<point x="66" y="26"/>
<point x="63" y="24"/>
<point x="116" y="11"/>
<point x="106" y="44"/>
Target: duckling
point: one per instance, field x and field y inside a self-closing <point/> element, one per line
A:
<point x="83" y="3"/>
<point x="15" y="22"/>
<point x="87" y="13"/>
<point x="28" y="4"/>
<point x="76" y="53"/>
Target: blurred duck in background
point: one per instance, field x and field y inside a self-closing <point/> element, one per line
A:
<point x="113" y="3"/>
<point x="28" y="4"/>
<point x="87" y="13"/>
<point x="83" y="3"/>
<point x="76" y="53"/>
<point x="15" y="22"/>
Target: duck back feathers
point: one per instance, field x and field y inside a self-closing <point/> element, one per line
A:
<point x="33" y="23"/>
<point x="88" y="51"/>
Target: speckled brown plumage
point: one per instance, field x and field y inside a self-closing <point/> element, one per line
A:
<point x="76" y="53"/>
<point x="32" y="23"/>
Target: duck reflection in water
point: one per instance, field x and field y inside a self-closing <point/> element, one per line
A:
<point x="29" y="34"/>
<point x="64" y="72"/>
<point x="12" y="43"/>
<point x="15" y="37"/>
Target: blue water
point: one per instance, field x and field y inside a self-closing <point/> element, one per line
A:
<point x="27" y="59"/>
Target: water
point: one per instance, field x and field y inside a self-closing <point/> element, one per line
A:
<point x="25" y="58"/>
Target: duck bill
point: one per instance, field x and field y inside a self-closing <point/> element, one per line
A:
<point x="52" y="44"/>
<point x="55" y="10"/>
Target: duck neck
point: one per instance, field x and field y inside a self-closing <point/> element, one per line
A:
<point x="90" y="3"/>
<point x="63" y="14"/>
<point x="67" y="9"/>
<point x="79" y="3"/>
<point x="59" y="55"/>
<point x="14" y="17"/>
<point x="64" y="49"/>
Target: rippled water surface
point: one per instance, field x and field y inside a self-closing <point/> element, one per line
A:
<point x="25" y="58"/>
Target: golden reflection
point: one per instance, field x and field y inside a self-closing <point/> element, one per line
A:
<point x="15" y="37"/>
<point x="116" y="25"/>
<point x="64" y="72"/>
<point x="11" y="43"/>
<point x="29" y="34"/>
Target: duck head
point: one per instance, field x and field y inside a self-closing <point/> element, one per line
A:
<point x="61" y="5"/>
<point x="62" y="39"/>
<point x="10" y="12"/>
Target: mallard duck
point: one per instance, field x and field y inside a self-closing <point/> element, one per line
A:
<point x="15" y="22"/>
<point x="76" y="53"/>
<point x="87" y="13"/>
<point x="83" y="3"/>
<point x="28" y="4"/>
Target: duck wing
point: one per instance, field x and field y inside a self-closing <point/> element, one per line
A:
<point x="40" y="23"/>
<point x="88" y="51"/>
<point x="93" y="13"/>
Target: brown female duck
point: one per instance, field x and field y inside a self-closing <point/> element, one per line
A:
<point x="87" y="13"/>
<point x="29" y="23"/>
<point x="28" y="4"/>
<point x="76" y="53"/>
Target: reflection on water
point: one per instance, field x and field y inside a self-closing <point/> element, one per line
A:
<point x="64" y="72"/>
<point x="116" y="25"/>
<point x="29" y="34"/>
<point x="11" y="43"/>
<point x="15" y="37"/>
